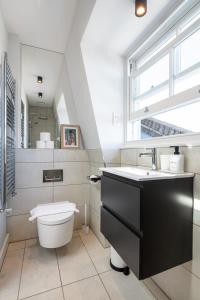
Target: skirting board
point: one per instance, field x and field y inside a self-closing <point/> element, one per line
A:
<point x="4" y="249"/>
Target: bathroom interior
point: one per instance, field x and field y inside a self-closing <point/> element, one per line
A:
<point x="100" y="150"/>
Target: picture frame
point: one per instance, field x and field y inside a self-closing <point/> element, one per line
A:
<point x="70" y="136"/>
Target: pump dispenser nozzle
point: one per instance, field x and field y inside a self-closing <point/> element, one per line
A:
<point x="176" y="148"/>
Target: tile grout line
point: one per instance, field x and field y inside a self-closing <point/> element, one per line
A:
<point x="104" y="287"/>
<point x="59" y="274"/>
<point x="51" y="185"/>
<point x="44" y="292"/>
<point x="49" y="162"/>
<point x="4" y="257"/>
<point x="160" y="288"/>
<point x="21" y="271"/>
<point x="153" y="294"/>
<point x="185" y="268"/>
<point x="79" y="280"/>
<point x="94" y="266"/>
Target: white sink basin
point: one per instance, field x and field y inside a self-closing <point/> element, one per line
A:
<point x="141" y="174"/>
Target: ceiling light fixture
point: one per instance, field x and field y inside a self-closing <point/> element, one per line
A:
<point x="140" y="8"/>
<point x="40" y="95"/>
<point x="39" y="79"/>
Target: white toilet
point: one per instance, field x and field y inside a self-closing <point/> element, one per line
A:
<point x="55" y="229"/>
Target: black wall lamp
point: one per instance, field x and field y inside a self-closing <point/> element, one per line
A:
<point x="39" y="79"/>
<point x="140" y="8"/>
<point x="40" y="95"/>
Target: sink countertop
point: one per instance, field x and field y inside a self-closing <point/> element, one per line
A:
<point x="144" y="174"/>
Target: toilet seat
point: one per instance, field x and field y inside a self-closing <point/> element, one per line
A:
<point x="56" y="219"/>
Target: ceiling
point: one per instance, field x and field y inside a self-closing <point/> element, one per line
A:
<point x="45" y="63"/>
<point x="45" y="25"/>
<point x="41" y="23"/>
<point x="120" y="27"/>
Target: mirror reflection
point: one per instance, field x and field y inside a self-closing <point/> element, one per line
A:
<point x="43" y="105"/>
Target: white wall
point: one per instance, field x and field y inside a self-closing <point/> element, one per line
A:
<point x="26" y="109"/>
<point x="31" y="190"/>
<point x="104" y="70"/>
<point x="3" y="47"/>
<point x="65" y="89"/>
<point x="14" y="58"/>
<point x="96" y="77"/>
<point x="77" y="76"/>
<point x="3" y="35"/>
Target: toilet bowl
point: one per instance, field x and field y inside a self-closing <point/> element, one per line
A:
<point x="55" y="223"/>
<point x="55" y="230"/>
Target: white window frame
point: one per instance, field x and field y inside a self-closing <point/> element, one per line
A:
<point x="173" y="101"/>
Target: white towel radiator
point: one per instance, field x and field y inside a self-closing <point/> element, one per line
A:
<point x="7" y="134"/>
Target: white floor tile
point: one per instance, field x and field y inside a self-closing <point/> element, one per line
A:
<point x="194" y="265"/>
<point x="10" y="275"/>
<point x="155" y="290"/>
<point x="121" y="287"/>
<point x="56" y="294"/>
<point x="99" y="255"/>
<point x="88" y="289"/>
<point x="32" y="242"/>
<point x="20" y="228"/>
<point x="75" y="233"/>
<point x="40" y="271"/>
<point x="179" y="284"/>
<point x="16" y="246"/>
<point x="74" y="262"/>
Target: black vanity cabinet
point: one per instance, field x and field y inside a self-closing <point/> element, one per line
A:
<point x="149" y="223"/>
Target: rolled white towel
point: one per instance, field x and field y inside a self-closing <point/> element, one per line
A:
<point x="45" y="136"/>
<point x="52" y="208"/>
<point x="40" y="145"/>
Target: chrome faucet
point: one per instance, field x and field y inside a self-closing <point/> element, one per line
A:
<point x="153" y="154"/>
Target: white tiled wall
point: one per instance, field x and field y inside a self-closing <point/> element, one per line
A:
<point x="31" y="190"/>
<point x="98" y="159"/>
<point x="182" y="282"/>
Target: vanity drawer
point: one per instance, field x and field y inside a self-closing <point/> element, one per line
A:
<point x="124" y="241"/>
<point x="123" y="200"/>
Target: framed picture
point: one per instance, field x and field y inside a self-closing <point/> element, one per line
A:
<point x="70" y="136"/>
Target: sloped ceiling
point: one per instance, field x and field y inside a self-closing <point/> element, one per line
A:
<point x="40" y="23"/>
<point x="45" y="63"/>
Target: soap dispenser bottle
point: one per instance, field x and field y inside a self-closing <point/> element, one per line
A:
<point x="176" y="161"/>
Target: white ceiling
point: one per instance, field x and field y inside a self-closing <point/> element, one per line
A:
<point x="46" y="24"/>
<point x="41" y="23"/>
<point x="45" y="63"/>
<point x="120" y="27"/>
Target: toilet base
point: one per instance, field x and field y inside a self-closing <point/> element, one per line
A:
<point x="55" y="236"/>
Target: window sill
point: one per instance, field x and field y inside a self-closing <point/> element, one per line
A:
<point x="188" y="140"/>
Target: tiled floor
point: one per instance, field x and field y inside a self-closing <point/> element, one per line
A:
<point x="78" y="271"/>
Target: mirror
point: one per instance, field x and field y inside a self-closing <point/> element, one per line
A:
<point x="43" y="105"/>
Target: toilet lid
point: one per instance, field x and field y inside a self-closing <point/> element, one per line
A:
<point x="56" y="219"/>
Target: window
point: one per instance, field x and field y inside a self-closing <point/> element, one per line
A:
<point x="164" y="83"/>
<point x="176" y="121"/>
